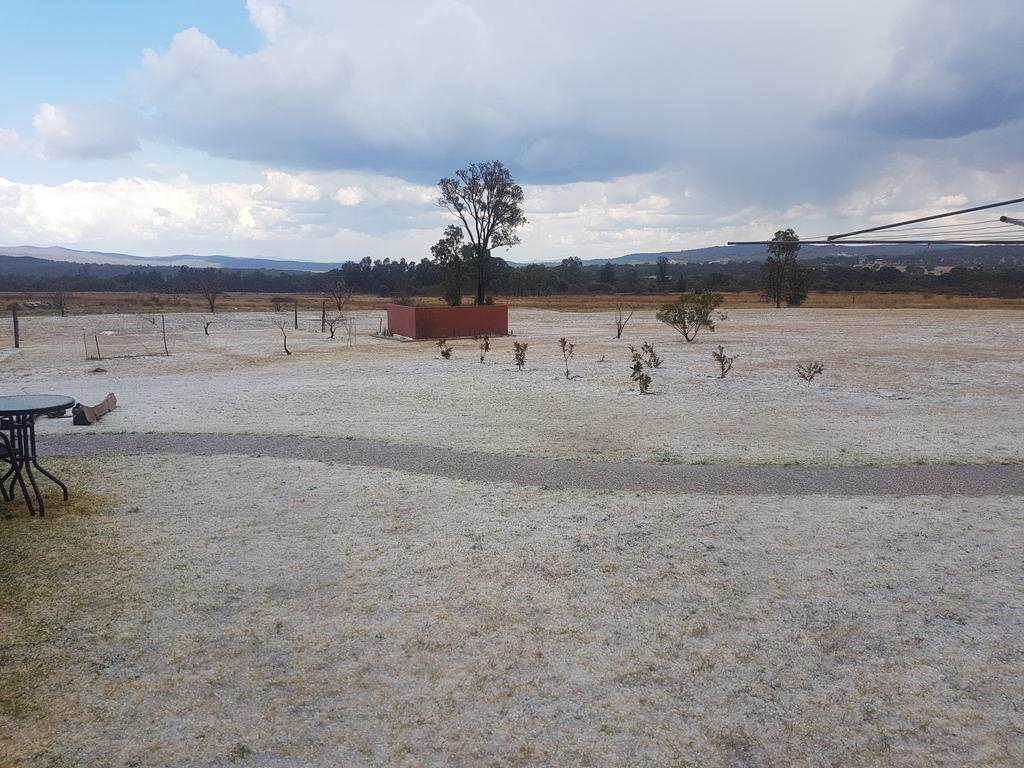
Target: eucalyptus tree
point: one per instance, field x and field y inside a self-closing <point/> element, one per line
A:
<point x="489" y="203"/>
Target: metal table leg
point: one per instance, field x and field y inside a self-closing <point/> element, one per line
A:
<point x="22" y="430"/>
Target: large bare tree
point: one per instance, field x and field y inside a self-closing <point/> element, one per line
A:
<point x="210" y="283"/>
<point x="489" y="203"/>
<point x="333" y="284"/>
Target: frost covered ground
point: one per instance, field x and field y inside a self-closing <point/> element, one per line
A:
<point x="221" y="611"/>
<point x="231" y="610"/>
<point x="900" y="386"/>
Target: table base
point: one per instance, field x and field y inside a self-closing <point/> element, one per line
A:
<point x="22" y="433"/>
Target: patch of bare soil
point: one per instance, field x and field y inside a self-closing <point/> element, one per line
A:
<point x="222" y="610"/>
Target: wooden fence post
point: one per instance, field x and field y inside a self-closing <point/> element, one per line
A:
<point x="17" y="331"/>
<point x="323" y="317"/>
<point x="296" y="314"/>
<point x="163" y="330"/>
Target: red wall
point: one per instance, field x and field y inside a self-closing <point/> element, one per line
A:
<point x="447" y="322"/>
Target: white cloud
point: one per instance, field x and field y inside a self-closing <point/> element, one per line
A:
<point x="267" y="16"/>
<point x="286" y="187"/>
<point x="10" y="141"/>
<point x="670" y="124"/>
<point x="349" y="196"/>
<point x="561" y="92"/>
<point x="96" y="131"/>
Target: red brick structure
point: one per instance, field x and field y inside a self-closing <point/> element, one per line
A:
<point x="448" y="322"/>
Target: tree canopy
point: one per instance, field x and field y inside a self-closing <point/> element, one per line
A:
<point x="781" y="275"/>
<point x="489" y="203"/>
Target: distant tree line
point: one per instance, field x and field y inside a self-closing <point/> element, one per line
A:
<point x="428" y="277"/>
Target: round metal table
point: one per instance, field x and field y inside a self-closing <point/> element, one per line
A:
<point x="18" y="420"/>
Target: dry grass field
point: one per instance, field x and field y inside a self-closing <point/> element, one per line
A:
<point x="236" y="610"/>
<point x="106" y="302"/>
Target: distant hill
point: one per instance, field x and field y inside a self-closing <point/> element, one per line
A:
<point x="69" y="255"/>
<point x="55" y="261"/>
<point x="757" y="253"/>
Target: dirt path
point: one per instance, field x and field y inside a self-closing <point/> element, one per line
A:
<point x="719" y="479"/>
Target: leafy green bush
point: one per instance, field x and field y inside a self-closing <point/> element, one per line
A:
<point x="637" y="372"/>
<point x="691" y="312"/>
<point x="519" y="353"/>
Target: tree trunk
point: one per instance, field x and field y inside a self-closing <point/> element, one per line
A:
<point x="481" y="273"/>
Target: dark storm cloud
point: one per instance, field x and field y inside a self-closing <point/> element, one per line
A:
<point x="958" y="70"/>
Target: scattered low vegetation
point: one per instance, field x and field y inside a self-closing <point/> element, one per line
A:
<point x="485" y="345"/>
<point x="724" y="361"/>
<point x="332" y="322"/>
<point x="808" y="371"/>
<point x="568" y="348"/>
<point x="519" y="354"/>
<point x="651" y="358"/>
<point x="621" y="320"/>
<point x="284" y="334"/>
<point x="637" y="372"/>
<point x="445" y="348"/>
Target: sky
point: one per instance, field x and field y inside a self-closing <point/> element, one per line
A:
<point x="318" y="129"/>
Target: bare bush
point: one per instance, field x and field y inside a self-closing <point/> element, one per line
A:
<point x="331" y="322"/>
<point x="446" y="350"/>
<point x="206" y="327"/>
<point x="284" y="333"/>
<point x="724" y="362"/>
<point x="620" y="321"/>
<point x="278" y="302"/>
<point x="485" y="345"/>
<point x="519" y="354"/>
<point x="808" y="371"/>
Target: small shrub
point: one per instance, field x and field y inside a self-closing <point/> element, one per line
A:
<point x="332" y="322"/>
<point x="446" y="350"/>
<point x="810" y="370"/>
<point x="519" y="354"/>
<point x="567" y="352"/>
<point x="724" y="362"/>
<point x="637" y="372"/>
<point x="651" y="358"/>
<point x="620" y="321"/>
<point x="284" y="334"/>
<point x="278" y="302"/>
<point x="452" y="295"/>
<point x="485" y="345"/>
<point x="691" y="312"/>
